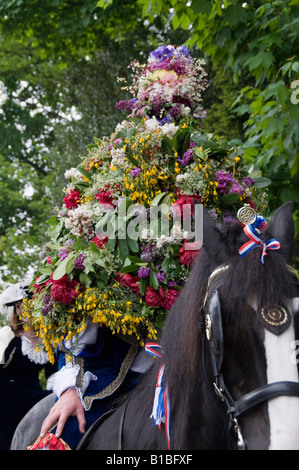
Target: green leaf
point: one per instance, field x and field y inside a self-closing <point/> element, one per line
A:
<point x="133" y="245"/>
<point x="143" y="283"/>
<point x="65" y="267"/>
<point x="129" y="269"/>
<point x="158" y="198"/>
<point x="261" y="182"/>
<point x="123" y="249"/>
<point x="84" y="172"/>
<point x="79" y="245"/>
<point x="56" y="231"/>
<point x="104" y="3"/>
<point x="153" y="280"/>
<point x="229" y="199"/>
<point x="201" y="6"/>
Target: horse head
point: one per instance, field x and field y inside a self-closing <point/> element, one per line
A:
<point x="236" y="327"/>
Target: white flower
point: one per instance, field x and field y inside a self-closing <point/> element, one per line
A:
<point x="124" y="124"/>
<point x="181" y="178"/>
<point x="185" y="110"/>
<point x="177" y="233"/>
<point x="118" y="157"/>
<point x="73" y="173"/>
<point x="169" y="130"/>
<point x="79" y="221"/>
<point x="152" y="124"/>
<point x="163" y="240"/>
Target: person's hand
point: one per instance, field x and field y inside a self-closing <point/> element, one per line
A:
<point x="69" y="404"/>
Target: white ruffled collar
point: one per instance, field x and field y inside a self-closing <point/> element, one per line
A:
<point x="38" y="357"/>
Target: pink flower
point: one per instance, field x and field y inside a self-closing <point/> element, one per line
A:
<point x="72" y="199"/>
<point x="64" y="290"/>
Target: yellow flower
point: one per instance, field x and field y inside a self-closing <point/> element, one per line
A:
<point x="160" y="73"/>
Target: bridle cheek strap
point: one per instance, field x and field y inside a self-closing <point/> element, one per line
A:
<point x="214" y="334"/>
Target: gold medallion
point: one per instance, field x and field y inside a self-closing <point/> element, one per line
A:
<point x="275" y="315"/>
<point x="246" y="215"/>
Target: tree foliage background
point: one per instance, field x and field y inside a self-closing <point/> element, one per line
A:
<point x="59" y="63"/>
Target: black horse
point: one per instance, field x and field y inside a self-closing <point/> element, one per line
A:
<point x="229" y="351"/>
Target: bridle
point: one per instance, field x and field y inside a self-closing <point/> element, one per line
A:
<point x="214" y="335"/>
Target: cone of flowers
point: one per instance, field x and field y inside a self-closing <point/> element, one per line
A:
<point x="122" y="244"/>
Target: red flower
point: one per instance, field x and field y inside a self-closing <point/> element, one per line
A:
<point x="153" y="297"/>
<point x="39" y="287"/>
<point x="184" y="205"/>
<point x="160" y="298"/>
<point x="170" y="298"/>
<point x="105" y="198"/>
<point x="64" y="290"/>
<point x="100" y="241"/>
<point x="129" y="281"/>
<point x="72" y="199"/>
<point x="187" y="256"/>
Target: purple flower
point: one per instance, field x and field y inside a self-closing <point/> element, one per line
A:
<point x="62" y="254"/>
<point x="78" y="263"/>
<point x="161" y="53"/>
<point x="165" y="65"/>
<point x="48" y="304"/>
<point x="236" y="188"/>
<point x="161" y="275"/>
<point x="143" y="272"/>
<point x="126" y="104"/>
<point x="187" y="158"/>
<point x="135" y="172"/>
<point x="248" y="181"/>
<point x="179" y="68"/>
<point x="148" y="254"/>
<point x="164" y="120"/>
<point x="227" y="183"/>
<point x="175" y="110"/>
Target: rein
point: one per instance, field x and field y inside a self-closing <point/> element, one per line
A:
<point x="214" y="335"/>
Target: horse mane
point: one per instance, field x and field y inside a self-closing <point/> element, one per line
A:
<point x="246" y="282"/>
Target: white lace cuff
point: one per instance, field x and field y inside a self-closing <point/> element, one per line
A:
<point x="38" y="357"/>
<point x="65" y="379"/>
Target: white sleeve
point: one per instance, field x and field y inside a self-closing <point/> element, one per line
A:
<point x="6" y="335"/>
<point x="86" y="337"/>
<point x="65" y="379"/>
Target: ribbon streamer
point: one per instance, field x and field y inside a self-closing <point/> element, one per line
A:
<point x="161" y="406"/>
<point x="255" y="240"/>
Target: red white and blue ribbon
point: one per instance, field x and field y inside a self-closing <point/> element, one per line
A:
<point x="255" y="240"/>
<point x="161" y="406"/>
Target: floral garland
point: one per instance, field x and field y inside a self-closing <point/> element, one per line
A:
<point x="93" y="269"/>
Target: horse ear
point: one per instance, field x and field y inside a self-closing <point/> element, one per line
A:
<point x="213" y="242"/>
<point x="282" y="228"/>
